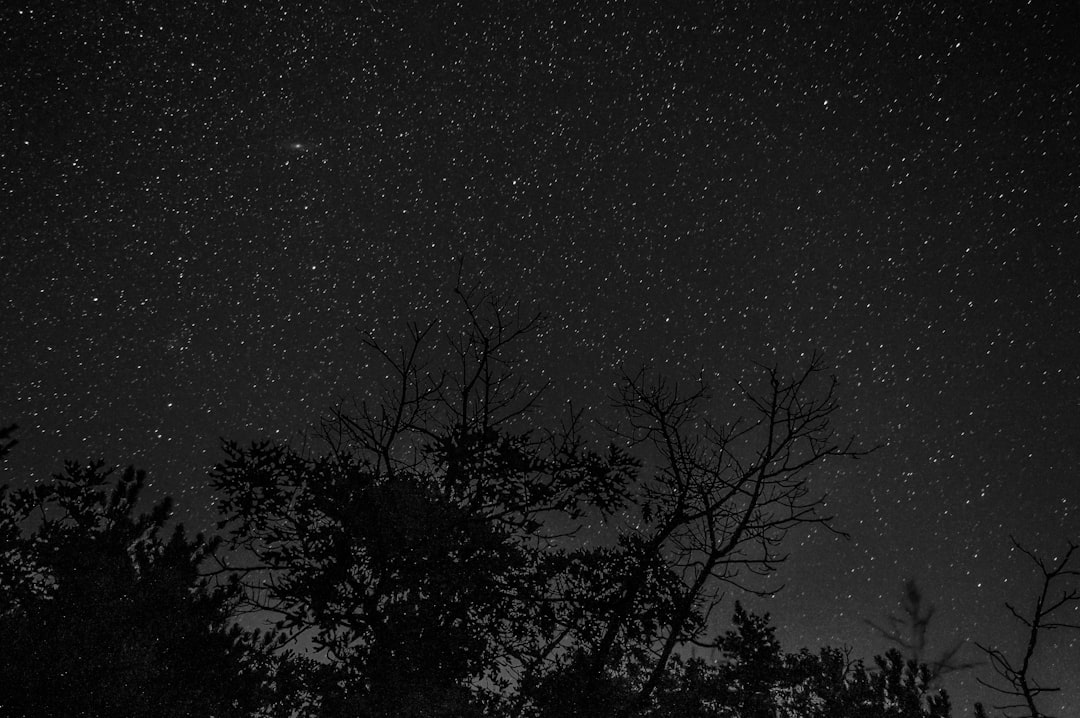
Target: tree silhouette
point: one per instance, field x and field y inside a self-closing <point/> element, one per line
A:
<point x="23" y="578"/>
<point x="426" y="541"/>
<point x="419" y="539"/>
<point x="754" y="677"/>
<point x="721" y="500"/>
<point x="415" y="547"/>
<point x="1016" y="683"/>
<point x="107" y="617"/>
<point x="908" y="632"/>
<point x="759" y="680"/>
<point x="755" y="664"/>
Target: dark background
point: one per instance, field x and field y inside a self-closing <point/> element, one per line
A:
<point x="203" y="203"/>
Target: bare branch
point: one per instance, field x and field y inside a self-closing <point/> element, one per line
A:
<point x="1016" y="681"/>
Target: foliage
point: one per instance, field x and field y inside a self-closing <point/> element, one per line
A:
<point x="417" y="548"/>
<point x="102" y="615"/>
<point x="756" y="679"/>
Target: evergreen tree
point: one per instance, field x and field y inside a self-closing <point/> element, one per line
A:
<point x="755" y="678"/>
<point x="755" y="665"/>
<point x="102" y="615"/>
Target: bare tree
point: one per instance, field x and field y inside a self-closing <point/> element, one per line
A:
<point x="1015" y="681"/>
<point x="908" y="632"/>
<point x="720" y="502"/>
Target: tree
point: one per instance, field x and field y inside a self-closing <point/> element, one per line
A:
<point x="416" y="546"/>
<point x="755" y="664"/>
<point x="22" y="577"/>
<point x="721" y="500"/>
<point x="754" y="677"/>
<point x="113" y="618"/>
<point x="420" y="538"/>
<point x="1015" y="680"/>
<point x="908" y="632"/>
<point x="760" y="680"/>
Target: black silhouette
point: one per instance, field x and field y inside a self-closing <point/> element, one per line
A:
<point x="721" y="498"/>
<point x="100" y="615"/>
<point x="1021" y="689"/>
<point x="419" y="549"/>
<point x="755" y="679"/>
<point x="433" y="545"/>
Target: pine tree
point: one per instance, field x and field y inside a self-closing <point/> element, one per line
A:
<point x="102" y="615"/>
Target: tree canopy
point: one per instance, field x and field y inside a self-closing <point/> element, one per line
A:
<point x="101" y="614"/>
<point x="437" y="546"/>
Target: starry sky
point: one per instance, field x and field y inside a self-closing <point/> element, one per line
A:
<point x="203" y="204"/>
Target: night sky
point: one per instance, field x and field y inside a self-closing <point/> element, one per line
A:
<point x="203" y="204"/>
